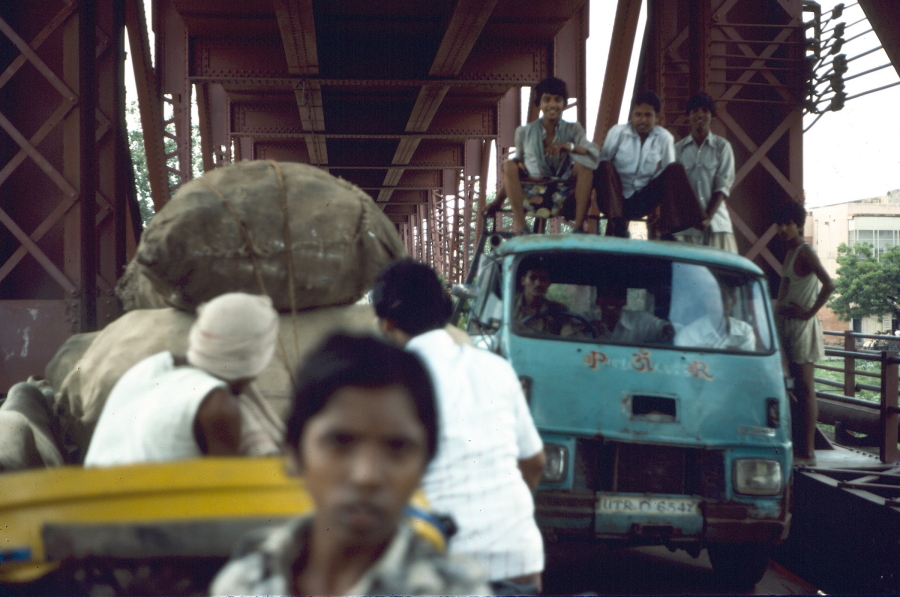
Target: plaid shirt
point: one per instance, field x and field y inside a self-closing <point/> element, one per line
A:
<point x="263" y="563"/>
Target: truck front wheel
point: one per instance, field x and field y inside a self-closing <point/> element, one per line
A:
<point x="740" y="565"/>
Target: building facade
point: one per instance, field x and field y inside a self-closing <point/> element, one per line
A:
<point x="875" y="221"/>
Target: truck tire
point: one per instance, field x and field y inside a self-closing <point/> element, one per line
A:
<point x="739" y="565"/>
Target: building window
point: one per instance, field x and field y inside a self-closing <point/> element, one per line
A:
<point x="879" y="239"/>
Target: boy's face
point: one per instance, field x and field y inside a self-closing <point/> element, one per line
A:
<point x="788" y="230"/>
<point x="362" y="456"/>
<point x="700" y="119"/>
<point x="552" y="105"/>
<point x="535" y="283"/>
<point x="643" y="119"/>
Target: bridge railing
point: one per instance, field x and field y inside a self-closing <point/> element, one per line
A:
<point x="845" y="410"/>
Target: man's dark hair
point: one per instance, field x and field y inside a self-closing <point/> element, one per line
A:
<point x="553" y="86"/>
<point x="532" y="262"/>
<point x="410" y="294"/>
<point x="791" y="211"/>
<point x="646" y="97"/>
<point x="701" y="100"/>
<point x="363" y="362"/>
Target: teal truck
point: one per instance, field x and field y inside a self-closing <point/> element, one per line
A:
<point x="654" y="375"/>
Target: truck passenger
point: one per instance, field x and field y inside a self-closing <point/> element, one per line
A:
<point x="717" y="327"/>
<point x="554" y="162"/>
<point x="170" y="407"/>
<point x="490" y="455"/>
<point x="614" y="323"/>
<point x="638" y="176"/>
<point x="800" y="330"/>
<point x="362" y="430"/>
<point x="709" y="162"/>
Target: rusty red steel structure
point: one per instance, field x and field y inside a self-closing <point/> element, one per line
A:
<point x="65" y="233"/>
<point x="406" y="100"/>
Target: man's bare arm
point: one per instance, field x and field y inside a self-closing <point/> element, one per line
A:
<point x="531" y="469"/>
<point x="217" y="426"/>
<point x="813" y="263"/>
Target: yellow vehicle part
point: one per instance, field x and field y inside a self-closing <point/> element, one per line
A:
<point x="181" y="491"/>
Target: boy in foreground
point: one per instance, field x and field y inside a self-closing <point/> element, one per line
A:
<point x="362" y="429"/>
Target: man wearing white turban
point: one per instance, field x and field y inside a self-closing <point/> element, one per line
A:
<point x="170" y="407"/>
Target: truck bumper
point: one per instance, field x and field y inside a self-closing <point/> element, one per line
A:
<point x="577" y="514"/>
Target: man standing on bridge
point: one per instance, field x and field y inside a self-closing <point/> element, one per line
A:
<point x="490" y="455"/>
<point x="709" y="162"/>
<point x="638" y="176"/>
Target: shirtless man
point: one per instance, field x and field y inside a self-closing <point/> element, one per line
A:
<point x="171" y="407"/>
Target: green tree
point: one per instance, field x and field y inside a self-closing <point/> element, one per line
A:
<point x="867" y="284"/>
<point x="139" y="160"/>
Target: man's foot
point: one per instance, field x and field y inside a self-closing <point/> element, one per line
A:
<point x="805" y="462"/>
<point x="523" y="231"/>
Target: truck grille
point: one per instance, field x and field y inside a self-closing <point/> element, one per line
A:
<point x="645" y="468"/>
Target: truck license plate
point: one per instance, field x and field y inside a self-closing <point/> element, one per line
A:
<point x="615" y="504"/>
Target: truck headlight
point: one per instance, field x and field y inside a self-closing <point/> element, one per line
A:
<point x="757" y="476"/>
<point x="555" y="467"/>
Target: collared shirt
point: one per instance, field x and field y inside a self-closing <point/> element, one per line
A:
<point x="530" y="149"/>
<point x="710" y="168"/>
<point x="541" y="323"/>
<point x="263" y="564"/>
<point x="485" y="430"/>
<point x="637" y="163"/>
<point x="707" y="333"/>
<point x="633" y="327"/>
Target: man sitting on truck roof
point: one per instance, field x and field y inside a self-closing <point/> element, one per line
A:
<point x="614" y="323"/>
<point x="170" y="407"/>
<point x="638" y="176"/>
<point x="490" y="455"/>
<point x="554" y="163"/>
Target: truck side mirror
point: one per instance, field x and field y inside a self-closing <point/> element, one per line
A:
<point x="465" y="291"/>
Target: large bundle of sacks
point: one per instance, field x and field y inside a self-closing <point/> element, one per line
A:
<point x="292" y="231"/>
<point x="144" y="332"/>
<point x="310" y="241"/>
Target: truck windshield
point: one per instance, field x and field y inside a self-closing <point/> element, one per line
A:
<point x="638" y="300"/>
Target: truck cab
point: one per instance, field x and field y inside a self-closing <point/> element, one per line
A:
<point x="654" y="375"/>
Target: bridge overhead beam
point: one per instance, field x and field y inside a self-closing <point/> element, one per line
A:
<point x="884" y="17"/>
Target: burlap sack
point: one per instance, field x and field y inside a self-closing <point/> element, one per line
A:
<point x="139" y="334"/>
<point x="136" y="291"/>
<point x="27" y="429"/>
<point x="226" y="232"/>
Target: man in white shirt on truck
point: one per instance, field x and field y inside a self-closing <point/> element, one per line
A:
<point x="709" y="162"/>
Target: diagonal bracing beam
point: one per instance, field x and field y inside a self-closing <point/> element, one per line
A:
<point x="296" y="22"/>
<point x="465" y="26"/>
